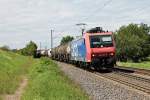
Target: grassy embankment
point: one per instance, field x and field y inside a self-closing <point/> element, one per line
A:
<point x="46" y="81"/>
<point x="141" y="65"/>
<point x="12" y="68"/>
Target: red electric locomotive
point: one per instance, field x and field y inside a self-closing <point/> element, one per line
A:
<point x="100" y="48"/>
<point x="96" y="48"/>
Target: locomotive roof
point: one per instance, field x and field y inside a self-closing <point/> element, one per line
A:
<point x="95" y="30"/>
<point x="100" y="33"/>
<point x="90" y="34"/>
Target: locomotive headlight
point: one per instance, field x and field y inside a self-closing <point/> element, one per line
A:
<point x="93" y="55"/>
<point x="111" y="54"/>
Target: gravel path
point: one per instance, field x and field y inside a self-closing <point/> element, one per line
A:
<point x="100" y="88"/>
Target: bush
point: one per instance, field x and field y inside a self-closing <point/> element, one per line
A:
<point x="29" y="50"/>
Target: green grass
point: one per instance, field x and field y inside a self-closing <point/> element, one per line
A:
<point x="47" y="82"/>
<point x="141" y="65"/>
<point x="12" y="66"/>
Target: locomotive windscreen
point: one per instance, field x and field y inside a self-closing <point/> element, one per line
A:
<point x="98" y="41"/>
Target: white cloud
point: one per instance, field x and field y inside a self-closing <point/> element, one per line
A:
<point x="25" y="20"/>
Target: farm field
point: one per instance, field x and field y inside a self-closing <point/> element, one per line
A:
<point x="45" y="80"/>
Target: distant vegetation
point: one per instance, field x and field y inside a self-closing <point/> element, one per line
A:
<point x="29" y="50"/>
<point x="66" y="39"/>
<point x="5" y="48"/>
<point x="133" y="42"/>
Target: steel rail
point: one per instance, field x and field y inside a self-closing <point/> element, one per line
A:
<point x="127" y="83"/>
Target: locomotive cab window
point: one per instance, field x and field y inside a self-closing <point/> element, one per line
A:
<point x="106" y="39"/>
<point x="99" y="41"/>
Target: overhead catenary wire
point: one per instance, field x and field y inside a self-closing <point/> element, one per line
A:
<point x="102" y="7"/>
<point x="86" y="18"/>
<point x="98" y="9"/>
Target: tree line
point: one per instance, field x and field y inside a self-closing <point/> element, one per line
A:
<point x="133" y="42"/>
<point x="29" y="50"/>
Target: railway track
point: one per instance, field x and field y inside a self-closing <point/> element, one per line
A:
<point x="126" y="77"/>
<point x="134" y="77"/>
<point x="130" y="80"/>
<point x="135" y="70"/>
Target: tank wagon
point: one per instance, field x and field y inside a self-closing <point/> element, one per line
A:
<point x="96" y="48"/>
<point x="61" y="53"/>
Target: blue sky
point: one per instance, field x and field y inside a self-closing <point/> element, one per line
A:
<point x="25" y="20"/>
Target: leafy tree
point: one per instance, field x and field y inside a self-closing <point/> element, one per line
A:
<point x="30" y="49"/>
<point x="131" y="42"/>
<point x="66" y="39"/>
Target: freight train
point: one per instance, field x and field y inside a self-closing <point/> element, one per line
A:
<point x="95" y="48"/>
